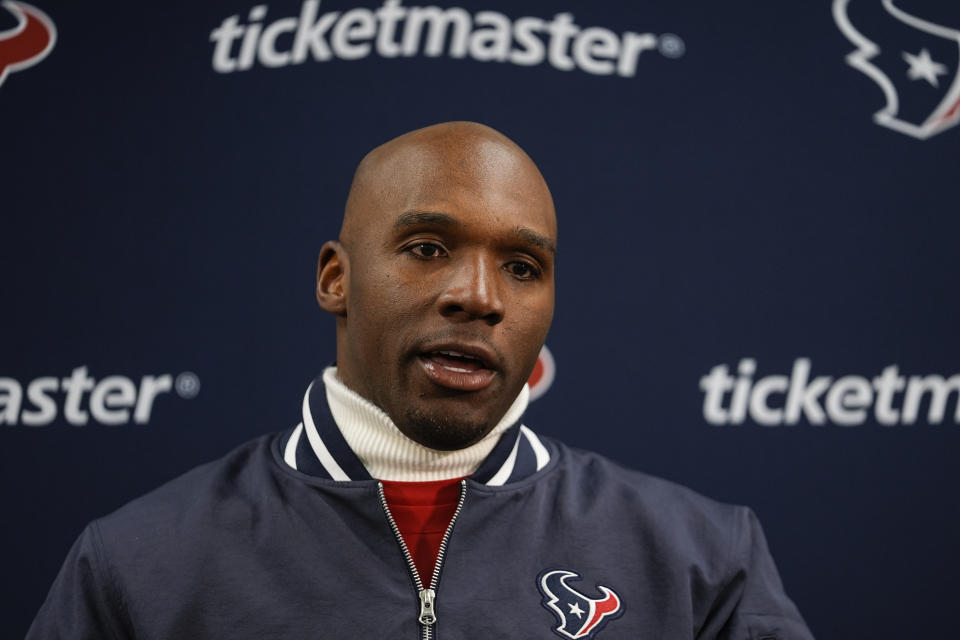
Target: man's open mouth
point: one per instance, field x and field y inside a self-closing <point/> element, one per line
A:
<point x="456" y="369"/>
<point x="454" y="361"/>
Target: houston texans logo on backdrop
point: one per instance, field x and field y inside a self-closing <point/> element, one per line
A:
<point x="27" y="43"/>
<point x="579" y="616"/>
<point x="543" y="373"/>
<point x="917" y="64"/>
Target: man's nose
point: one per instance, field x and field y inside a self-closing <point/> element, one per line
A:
<point x="473" y="291"/>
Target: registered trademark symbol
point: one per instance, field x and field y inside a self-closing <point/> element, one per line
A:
<point x="671" y="45"/>
<point x="187" y="385"/>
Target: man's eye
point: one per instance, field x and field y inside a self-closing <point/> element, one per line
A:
<point x="522" y="270"/>
<point x="426" y="250"/>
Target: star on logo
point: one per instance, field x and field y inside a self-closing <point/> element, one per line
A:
<point x="923" y="66"/>
<point x="575" y="609"/>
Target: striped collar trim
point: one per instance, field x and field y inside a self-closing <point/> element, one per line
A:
<point x="317" y="448"/>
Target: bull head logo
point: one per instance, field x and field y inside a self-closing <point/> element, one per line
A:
<point x="922" y="89"/>
<point x="579" y="616"/>
<point x="27" y="43"/>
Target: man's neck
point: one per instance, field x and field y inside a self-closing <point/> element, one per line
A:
<point x="387" y="454"/>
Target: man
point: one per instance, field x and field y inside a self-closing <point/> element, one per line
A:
<point x="411" y="501"/>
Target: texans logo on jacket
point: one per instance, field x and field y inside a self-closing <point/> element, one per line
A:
<point x="27" y="43"/>
<point x="579" y="615"/>
<point x="915" y="62"/>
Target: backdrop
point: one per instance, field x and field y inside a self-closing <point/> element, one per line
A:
<point x="758" y="253"/>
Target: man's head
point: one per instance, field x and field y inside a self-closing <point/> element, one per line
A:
<point x="442" y="281"/>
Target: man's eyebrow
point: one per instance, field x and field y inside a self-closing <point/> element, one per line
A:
<point x="436" y="218"/>
<point x="536" y="239"/>
<point x="414" y="218"/>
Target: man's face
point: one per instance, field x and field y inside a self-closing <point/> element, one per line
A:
<point x="448" y="288"/>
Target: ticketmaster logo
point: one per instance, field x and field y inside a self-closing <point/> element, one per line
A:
<point x="80" y="398"/>
<point x="849" y="400"/>
<point x="397" y="31"/>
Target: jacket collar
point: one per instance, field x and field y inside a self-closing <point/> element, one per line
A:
<point x="316" y="447"/>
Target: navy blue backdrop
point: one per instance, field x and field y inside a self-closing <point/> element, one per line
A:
<point x="757" y="275"/>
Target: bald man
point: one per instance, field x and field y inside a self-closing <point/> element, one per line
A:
<point x="411" y="500"/>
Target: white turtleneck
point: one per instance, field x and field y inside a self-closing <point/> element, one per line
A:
<point x="387" y="454"/>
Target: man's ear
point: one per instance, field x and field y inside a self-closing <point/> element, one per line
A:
<point x="332" y="275"/>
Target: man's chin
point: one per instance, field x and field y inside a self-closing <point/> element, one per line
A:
<point x="443" y="431"/>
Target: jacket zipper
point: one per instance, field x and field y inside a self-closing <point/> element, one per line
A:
<point x="427" y="597"/>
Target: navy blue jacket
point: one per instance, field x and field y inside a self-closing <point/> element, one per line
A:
<point x="550" y="542"/>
